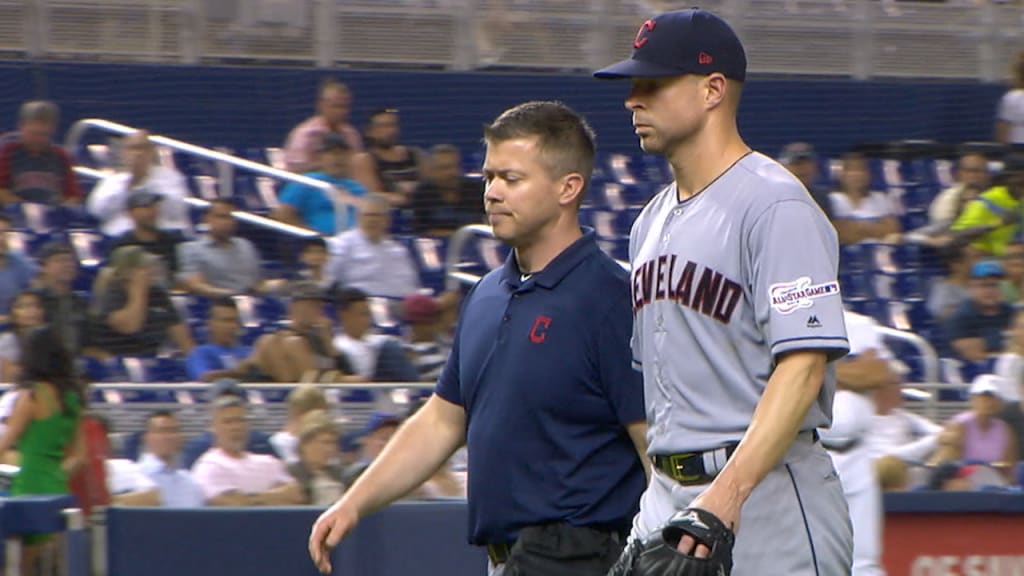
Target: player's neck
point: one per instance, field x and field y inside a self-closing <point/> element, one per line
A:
<point x="699" y="162"/>
<point x="533" y="256"/>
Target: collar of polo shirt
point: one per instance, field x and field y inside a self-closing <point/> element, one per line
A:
<point x="558" y="268"/>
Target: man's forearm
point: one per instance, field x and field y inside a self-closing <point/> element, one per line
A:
<point x="791" y="390"/>
<point x="972" y="349"/>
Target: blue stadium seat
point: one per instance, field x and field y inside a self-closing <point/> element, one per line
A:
<point x="919" y="196"/>
<point x="617" y="248"/>
<point x="855" y="285"/>
<point x="903" y="285"/>
<point x="913" y="219"/>
<point x="604" y="222"/>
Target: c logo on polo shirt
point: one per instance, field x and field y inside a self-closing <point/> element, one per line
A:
<point x="539" y="332"/>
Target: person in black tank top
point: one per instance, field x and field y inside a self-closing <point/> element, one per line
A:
<point x="388" y="167"/>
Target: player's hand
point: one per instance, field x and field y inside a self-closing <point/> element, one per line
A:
<point x="328" y="530"/>
<point x="715" y="501"/>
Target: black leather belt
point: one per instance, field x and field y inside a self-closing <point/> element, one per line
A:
<point x="693" y="468"/>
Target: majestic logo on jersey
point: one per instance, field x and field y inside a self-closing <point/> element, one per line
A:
<point x="788" y="297"/>
<point x="813" y="322"/>
<point x="703" y="290"/>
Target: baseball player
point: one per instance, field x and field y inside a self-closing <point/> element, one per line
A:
<point x="737" y="316"/>
<point x="539" y="384"/>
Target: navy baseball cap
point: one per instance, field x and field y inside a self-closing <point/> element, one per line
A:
<point x="682" y="42"/>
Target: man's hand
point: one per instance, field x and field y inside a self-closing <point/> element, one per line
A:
<point x="717" y="501"/>
<point x="333" y="525"/>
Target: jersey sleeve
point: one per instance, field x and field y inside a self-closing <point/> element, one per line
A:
<point x="793" y="261"/>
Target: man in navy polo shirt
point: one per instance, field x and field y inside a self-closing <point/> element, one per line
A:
<point x="539" y="384"/>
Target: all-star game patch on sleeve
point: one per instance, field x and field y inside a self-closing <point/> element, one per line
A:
<point x="794" y="258"/>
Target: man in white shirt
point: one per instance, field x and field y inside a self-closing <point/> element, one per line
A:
<point x="1010" y="116"/>
<point x="160" y="462"/>
<point x="894" y="431"/>
<point x="231" y="476"/>
<point x="372" y="356"/>
<point x="367" y="258"/>
<point x="108" y="201"/>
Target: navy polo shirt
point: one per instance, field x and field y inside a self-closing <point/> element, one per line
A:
<point x="543" y="369"/>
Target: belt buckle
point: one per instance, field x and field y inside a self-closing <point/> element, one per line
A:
<point x="677" y="462"/>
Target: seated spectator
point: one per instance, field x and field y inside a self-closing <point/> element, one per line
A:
<point x="222" y="264"/>
<point x="372" y="356"/>
<point x="65" y="310"/>
<point x="1013" y="266"/>
<point x="976" y="329"/>
<point x="981" y="436"/>
<point x="949" y="293"/>
<point x="378" y="432"/>
<point x="368" y="258"/>
<point x="257" y="443"/>
<point x="994" y="218"/>
<point x="108" y="201"/>
<point x="859" y="213"/>
<point x="301" y="401"/>
<point x="142" y="208"/>
<point x="312" y="208"/>
<point x="161" y="462"/>
<point x="26" y="315"/>
<point x="314" y="259"/>
<point x="316" y="468"/>
<point x="16" y="270"/>
<point x="801" y="159"/>
<point x="446" y="200"/>
<point x="972" y="178"/>
<point x="1009" y="127"/>
<point x="334" y="103"/>
<point x="131" y="314"/>
<point x="1009" y="367"/>
<point x="127" y="484"/>
<point x="897" y="432"/>
<point x="388" y="168"/>
<point x="446" y="482"/>
<point x="221" y="356"/>
<point x="424" y="344"/>
<point x="302" y="351"/>
<point x="32" y="168"/>
<point x="229" y="475"/>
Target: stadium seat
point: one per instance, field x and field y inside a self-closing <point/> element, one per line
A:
<point x="855" y="285"/>
<point x="913" y="219"/>
<point x="901" y="285"/>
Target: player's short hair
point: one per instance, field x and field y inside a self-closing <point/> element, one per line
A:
<point x="566" y="141"/>
<point x="380" y="112"/>
<point x="306" y="398"/>
<point x="313" y="242"/>
<point x="224" y="302"/>
<point x="331" y="85"/>
<point x="159" y="414"/>
<point x="346" y="297"/>
<point x="38" y="111"/>
<point x="444" y="149"/>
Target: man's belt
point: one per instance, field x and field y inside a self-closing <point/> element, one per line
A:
<point x="694" y="468"/>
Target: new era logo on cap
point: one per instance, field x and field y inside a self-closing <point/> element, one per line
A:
<point x="682" y="42"/>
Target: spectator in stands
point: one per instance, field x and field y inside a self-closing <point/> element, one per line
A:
<point x="161" y="462"/>
<point x="976" y="329"/>
<point x="316" y="468"/>
<point x="229" y="475"/>
<point x="127" y="484"/>
<point x="257" y="443"/>
<point x="1009" y="367"/>
<point x="16" y="270"/>
<point x="64" y="309"/>
<point x="309" y="207"/>
<point x="1010" y="116"/>
<point x="972" y="178"/>
<point x="131" y="314"/>
<point x="368" y="258"/>
<point x="26" y="315"/>
<point x="981" y="436"/>
<point x="446" y="482"/>
<point x="424" y="345"/>
<point x="142" y="208"/>
<point x="372" y="356"/>
<point x="378" y="432"/>
<point x="334" y="104"/>
<point x="801" y="159"/>
<point x="446" y="199"/>
<point x="302" y="351"/>
<point x="388" y="167"/>
<point x="301" y="401"/>
<point x="314" y="259"/>
<point x="949" y="293"/>
<point x="32" y="168"/>
<point x="859" y="213"/>
<point x="995" y="216"/>
<point x="222" y="356"/>
<point x="897" y="432"/>
<point x="140" y="173"/>
<point x="1013" y="265"/>
<point x="222" y="264"/>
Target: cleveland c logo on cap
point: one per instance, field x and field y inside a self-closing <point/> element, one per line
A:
<point x="641" y="34"/>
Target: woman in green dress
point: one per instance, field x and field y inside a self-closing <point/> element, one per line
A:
<point x="44" y="428"/>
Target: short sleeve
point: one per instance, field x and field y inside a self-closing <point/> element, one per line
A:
<point x="840" y="205"/>
<point x="188" y="259"/>
<point x="622" y="383"/>
<point x="211" y="477"/>
<point x="959" y="326"/>
<point x="292" y="195"/>
<point x="793" y="258"/>
<point x="200" y="361"/>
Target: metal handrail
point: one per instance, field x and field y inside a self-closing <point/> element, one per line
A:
<point x="79" y="128"/>
<point x="239" y="215"/>
<point x="929" y="358"/>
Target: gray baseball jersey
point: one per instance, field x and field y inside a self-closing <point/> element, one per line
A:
<point x="723" y="283"/>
